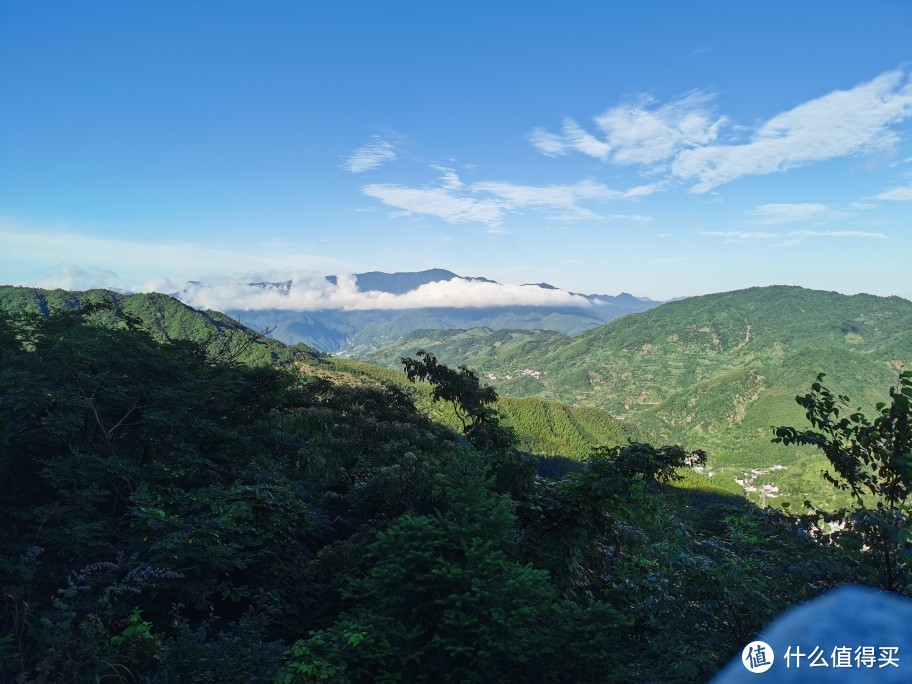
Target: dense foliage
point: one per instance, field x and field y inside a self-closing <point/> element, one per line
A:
<point x="872" y="460"/>
<point x="173" y="514"/>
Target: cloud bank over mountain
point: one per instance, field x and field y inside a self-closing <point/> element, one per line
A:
<point x="311" y="292"/>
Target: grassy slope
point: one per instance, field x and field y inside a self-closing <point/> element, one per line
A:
<point x="714" y="372"/>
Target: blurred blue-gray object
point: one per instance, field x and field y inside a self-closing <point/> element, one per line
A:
<point x="850" y="617"/>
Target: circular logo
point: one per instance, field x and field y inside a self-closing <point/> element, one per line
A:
<point x="758" y="656"/>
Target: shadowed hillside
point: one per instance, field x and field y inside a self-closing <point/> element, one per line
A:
<point x="546" y="428"/>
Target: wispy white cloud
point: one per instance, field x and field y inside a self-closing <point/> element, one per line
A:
<point x="448" y="178"/>
<point x="516" y="195"/>
<point x="443" y="201"/>
<point x="789" y="238"/>
<point x="901" y="194"/>
<point x="644" y="190"/>
<point x="487" y="202"/>
<point x="839" y="124"/>
<point x="571" y="137"/>
<point x="638" y="218"/>
<point x="739" y="235"/>
<point x="900" y="162"/>
<point x="769" y="214"/>
<point x="684" y="139"/>
<point x="562" y="200"/>
<point x="643" y="132"/>
<point x="449" y="200"/>
<point x="840" y="234"/>
<point x="375" y="153"/>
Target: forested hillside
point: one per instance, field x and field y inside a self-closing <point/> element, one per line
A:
<point x="716" y="371"/>
<point x="176" y="515"/>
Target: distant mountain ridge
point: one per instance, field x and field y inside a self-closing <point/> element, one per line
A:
<point x="351" y="333"/>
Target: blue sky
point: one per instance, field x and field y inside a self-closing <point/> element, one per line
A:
<point x="659" y="148"/>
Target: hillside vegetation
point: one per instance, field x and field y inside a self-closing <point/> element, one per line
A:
<point x="176" y="515"/>
<point x="547" y="428"/>
<point x="165" y="319"/>
<point x="716" y="371"/>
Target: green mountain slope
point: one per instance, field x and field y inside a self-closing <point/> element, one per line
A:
<point x="714" y="371"/>
<point x="165" y="318"/>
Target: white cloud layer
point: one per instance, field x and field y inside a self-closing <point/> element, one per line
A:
<point x="684" y="137"/>
<point x="309" y="292"/>
<point x="370" y="156"/>
<point x="65" y="258"/>
<point x="73" y="277"/>
<point x="73" y="261"/>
